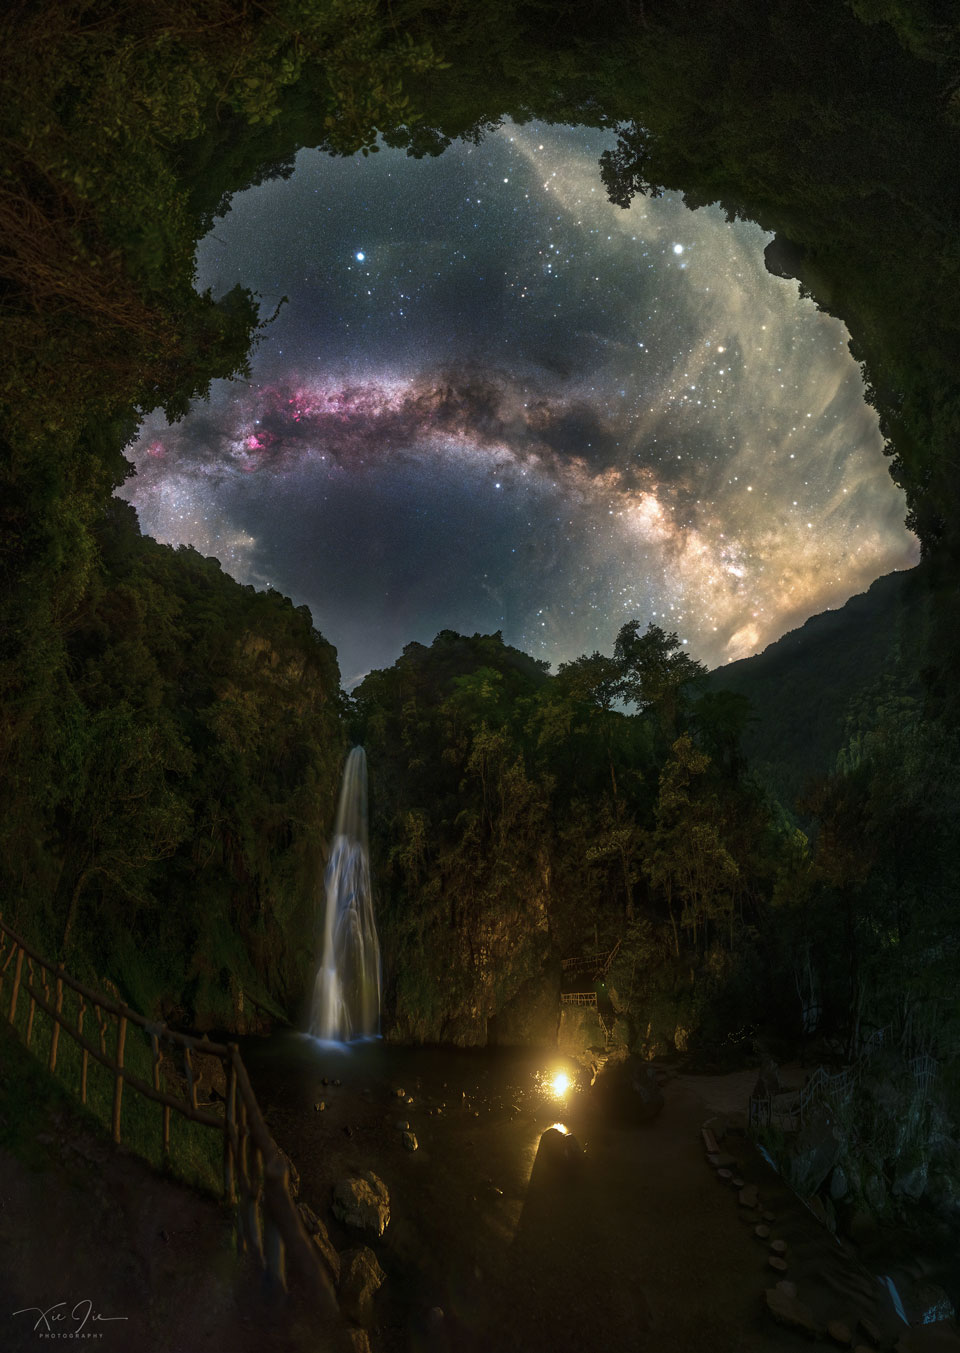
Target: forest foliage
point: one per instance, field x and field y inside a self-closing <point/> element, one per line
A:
<point x="170" y="741"/>
<point x="521" y="817"/>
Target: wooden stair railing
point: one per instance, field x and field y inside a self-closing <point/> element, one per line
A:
<point x="255" y="1171"/>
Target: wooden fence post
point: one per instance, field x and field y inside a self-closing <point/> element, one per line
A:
<point x="191" y="1078"/>
<point x="84" y="1056"/>
<point x="6" y="961"/>
<point x="55" y="1035"/>
<point x="118" y="1083"/>
<point x="33" y="1002"/>
<point x="252" y="1204"/>
<point x="275" y="1175"/>
<point x="229" y="1134"/>
<point x="16" y="984"/>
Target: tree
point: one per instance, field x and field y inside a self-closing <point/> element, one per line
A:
<point x="686" y="857"/>
<point x="655" y="672"/>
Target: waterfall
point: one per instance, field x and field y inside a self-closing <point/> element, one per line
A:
<point x="346" y="994"/>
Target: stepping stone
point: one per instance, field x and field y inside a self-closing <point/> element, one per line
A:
<point x="721" y="1161"/>
<point x="840" y="1333"/>
<point x="788" y="1288"/>
<point x="709" y="1141"/>
<point x="749" y="1196"/>
<point x="769" y="1216"/>
<point x="748" y="1217"/>
<point x="762" y="1232"/>
<point x="779" y="1265"/>
<point x="779" y="1247"/>
<point x="792" y="1312"/>
<point x="870" y="1330"/>
<point x="737" y="1182"/>
<point x="725" y="1174"/>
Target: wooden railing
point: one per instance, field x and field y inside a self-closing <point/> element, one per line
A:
<point x="598" y="963"/>
<point x="926" y="1070"/>
<point x="255" y="1172"/>
<point x="790" y="1108"/>
<point x="578" y="998"/>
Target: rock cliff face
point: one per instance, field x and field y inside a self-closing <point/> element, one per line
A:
<point x="492" y="980"/>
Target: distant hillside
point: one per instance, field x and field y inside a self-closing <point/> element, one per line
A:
<point x="802" y="686"/>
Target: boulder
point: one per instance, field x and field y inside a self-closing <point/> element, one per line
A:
<point x="911" y="1182"/>
<point x="933" y="1305"/>
<point x="361" y="1278"/>
<point x="943" y="1193"/>
<point x="558" y="1153"/>
<point x="362" y="1202"/>
<point x="410" y="1141"/>
<point x="839" y="1184"/>
<point x="815" y="1153"/>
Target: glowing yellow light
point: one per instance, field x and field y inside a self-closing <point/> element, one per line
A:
<point x="560" y="1127"/>
<point x="561" y="1083"/>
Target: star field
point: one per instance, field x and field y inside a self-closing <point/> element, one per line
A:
<point x="496" y="401"/>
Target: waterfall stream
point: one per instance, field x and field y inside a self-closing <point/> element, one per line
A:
<point x="346" y="994"/>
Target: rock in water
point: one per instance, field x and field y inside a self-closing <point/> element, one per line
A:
<point x="360" y="1281"/>
<point x="410" y="1141"/>
<point x="363" y="1203"/>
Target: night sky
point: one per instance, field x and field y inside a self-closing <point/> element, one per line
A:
<point x="495" y="401"/>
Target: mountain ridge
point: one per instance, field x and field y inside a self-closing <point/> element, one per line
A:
<point x="804" y="686"/>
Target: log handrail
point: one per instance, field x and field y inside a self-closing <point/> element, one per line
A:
<point x="200" y="1043"/>
<point x="253" y="1186"/>
<point x="598" y="962"/>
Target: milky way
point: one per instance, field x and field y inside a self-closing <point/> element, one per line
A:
<point x="495" y="401"/>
